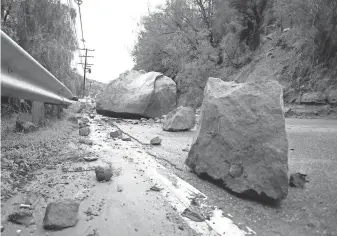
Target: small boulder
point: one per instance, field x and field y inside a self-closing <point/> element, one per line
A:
<point x="72" y="119"/>
<point x="313" y="98"/>
<point x="85" y="141"/>
<point x="180" y="119"/>
<point x="25" y="126"/>
<point x="85" y="131"/>
<point x="61" y="214"/>
<point x="126" y="138"/>
<point x="103" y="173"/>
<point x="155" y="141"/>
<point x="23" y="217"/>
<point x="115" y="134"/>
<point x="297" y="180"/>
<point x="332" y="97"/>
<point x="90" y="158"/>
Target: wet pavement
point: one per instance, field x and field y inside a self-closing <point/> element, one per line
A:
<point x="127" y="204"/>
<point x="152" y="192"/>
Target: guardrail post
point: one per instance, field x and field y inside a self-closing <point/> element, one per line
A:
<point x="38" y="112"/>
<point x="57" y="109"/>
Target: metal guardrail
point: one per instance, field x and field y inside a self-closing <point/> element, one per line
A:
<point x="23" y="77"/>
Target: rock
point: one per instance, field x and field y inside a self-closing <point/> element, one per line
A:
<point x="25" y="126"/>
<point x="332" y="97"/>
<point x="138" y="94"/>
<point x="61" y="214"/>
<point x="84" y="131"/>
<point x="23" y="217"/>
<point x="2" y="228"/>
<point x="103" y="173"/>
<point x="297" y="180"/>
<point x="313" y="98"/>
<point x="90" y="158"/>
<point x="241" y="139"/>
<point x="180" y="119"/>
<point x="192" y="215"/>
<point x="18" y="232"/>
<point x="119" y="188"/>
<point x="115" y="134"/>
<point x="85" y="141"/>
<point x="155" y="141"/>
<point x="286" y="29"/>
<point x="72" y="119"/>
<point x="91" y="116"/>
<point x="126" y="138"/>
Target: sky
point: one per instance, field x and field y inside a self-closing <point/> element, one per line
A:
<point x="110" y="28"/>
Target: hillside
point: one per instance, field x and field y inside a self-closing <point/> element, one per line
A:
<point x="293" y="42"/>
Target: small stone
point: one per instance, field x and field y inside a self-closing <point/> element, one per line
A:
<point x="18" y="232"/>
<point x="115" y="134"/>
<point x="2" y="228"/>
<point x="181" y="227"/>
<point x="103" y="173"/>
<point x="61" y="214"/>
<point x="85" y="141"/>
<point x="84" y="131"/>
<point x="90" y="158"/>
<point x="23" y="217"/>
<point x="91" y="116"/>
<point x="119" y="188"/>
<point x="126" y="138"/>
<point x="297" y="180"/>
<point x="155" y="141"/>
<point x="185" y="149"/>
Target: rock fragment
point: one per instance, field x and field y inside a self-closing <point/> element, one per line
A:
<point x="61" y="214"/>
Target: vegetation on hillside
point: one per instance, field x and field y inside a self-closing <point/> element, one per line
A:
<point x="45" y="29"/>
<point x="191" y="40"/>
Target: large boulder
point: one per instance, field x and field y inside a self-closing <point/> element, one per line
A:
<point x="180" y="119"/>
<point x="241" y="139"/>
<point x="138" y="94"/>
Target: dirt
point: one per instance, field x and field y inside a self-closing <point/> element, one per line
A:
<point x="308" y="211"/>
<point x="146" y="196"/>
<point x="122" y="206"/>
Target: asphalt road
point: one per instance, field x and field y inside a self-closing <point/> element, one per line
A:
<point x="137" y="211"/>
<point x="308" y="211"/>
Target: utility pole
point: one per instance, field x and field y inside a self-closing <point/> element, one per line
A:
<point x="87" y="66"/>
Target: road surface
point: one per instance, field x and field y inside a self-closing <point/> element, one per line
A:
<point x="127" y="206"/>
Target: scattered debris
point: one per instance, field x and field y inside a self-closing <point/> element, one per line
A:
<point x="156" y="188"/>
<point x="93" y="232"/>
<point x="22" y="217"/>
<point x="90" y="158"/>
<point x="84" y="131"/>
<point x="61" y="214"/>
<point x="25" y="206"/>
<point x="155" y="141"/>
<point x="25" y="126"/>
<point x="298" y="180"/>
<point x="126" y="138"/>
<point x="103" y="173"/>
<point x="194" y="216"/>
<point x="73" y="119"/>
<point x="115" y="134"/>
<point x="85" y="141"/>
<point x="119" y="188"/>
